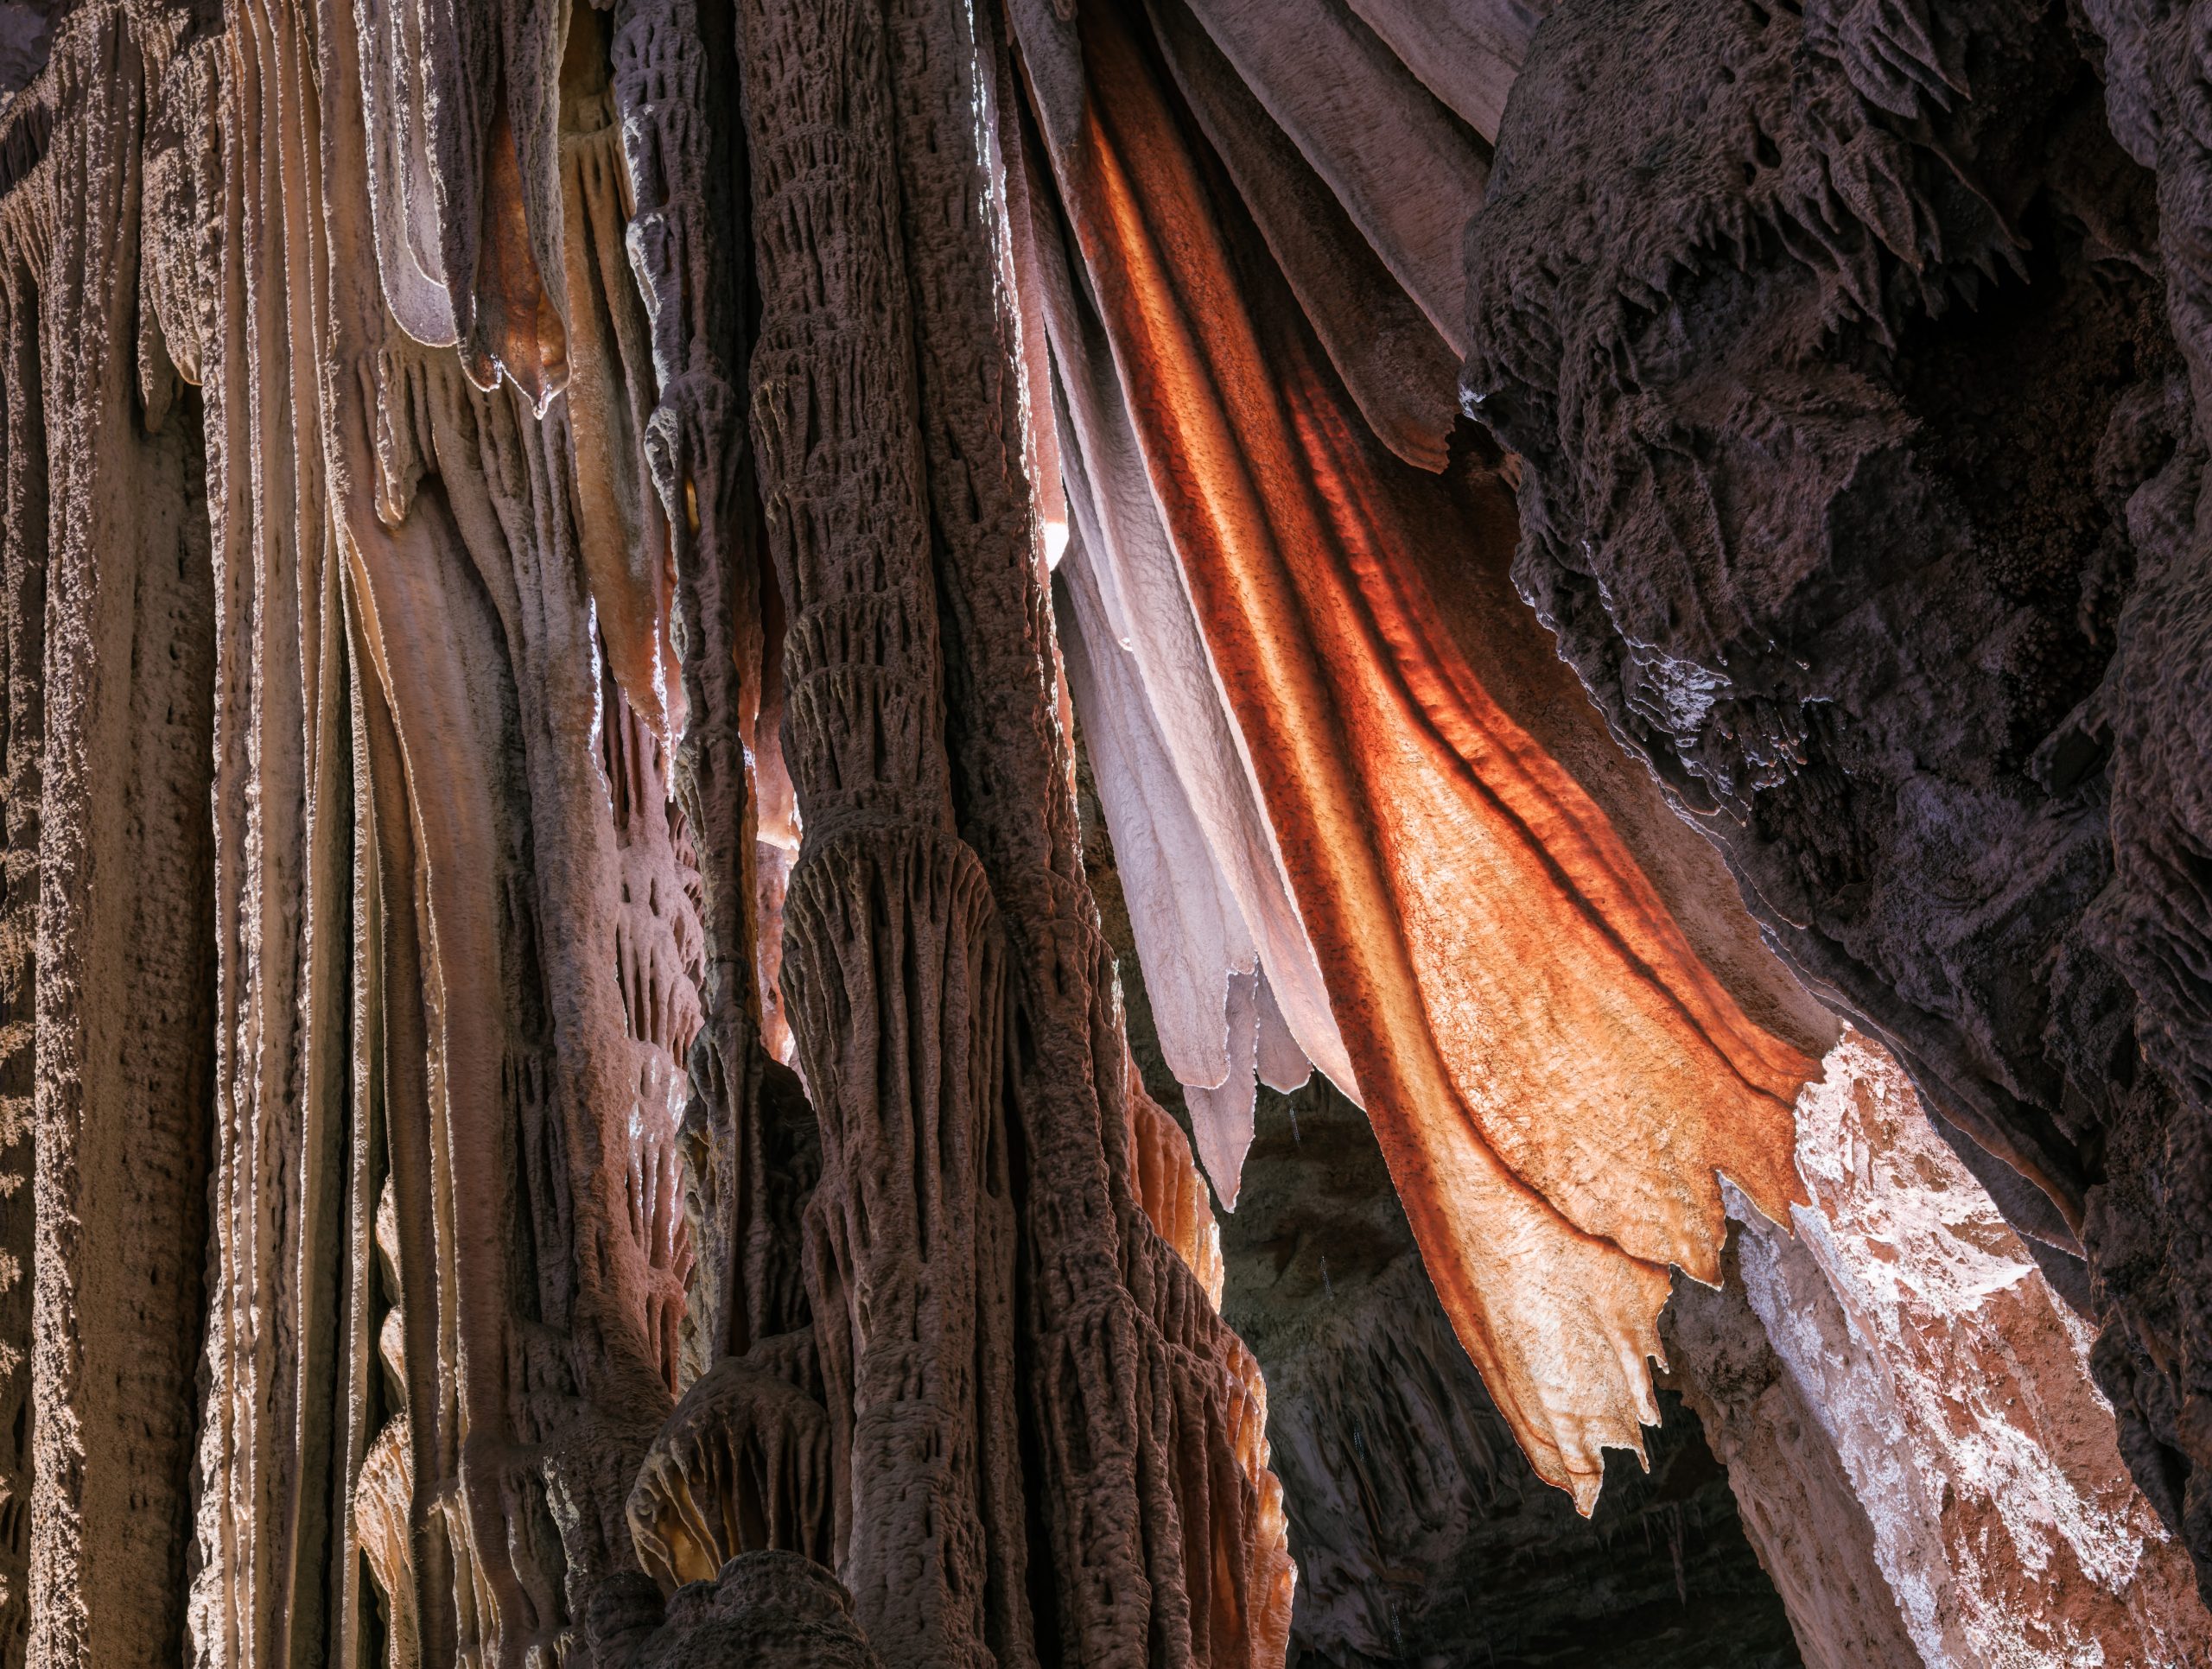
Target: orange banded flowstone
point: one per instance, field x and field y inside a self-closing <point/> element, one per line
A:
<point x="1555" y="1073"/>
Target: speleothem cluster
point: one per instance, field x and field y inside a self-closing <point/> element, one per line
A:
<point x="595" y="596"/>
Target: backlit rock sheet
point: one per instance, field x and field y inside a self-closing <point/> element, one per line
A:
<point x="564" y="1097"/>
<point x="1556" y="1076"/>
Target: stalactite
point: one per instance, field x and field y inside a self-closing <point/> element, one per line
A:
<point x="621" y="527"/>
<point x="564" y="1093"/>
<point x="1149" y="688"/>
<point x="1188" y="925"/>
<point x="442" y="594"/>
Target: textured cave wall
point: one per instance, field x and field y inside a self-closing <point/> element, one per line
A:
<point x="527" y="620"/>
<point x="1851" y="361"/>
<point x="1986" y="1401"/>
<point x="24" y="569"/>
<point x="1908" y="1415"/>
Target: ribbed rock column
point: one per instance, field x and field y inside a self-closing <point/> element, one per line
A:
<point x="892" y="969"/>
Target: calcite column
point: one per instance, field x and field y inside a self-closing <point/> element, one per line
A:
<point x="126" y="1026"/>
<point x="1952" y="1385"/>
<point x="893" y="969"/>
<point x="429" y="907"/>
<point x="24" y="230"/>
<point x="1800" y="1512"/>
<point x="1148" y="1558"/>
<point x="674" y="89"/>
<point x="953" y="1001"/>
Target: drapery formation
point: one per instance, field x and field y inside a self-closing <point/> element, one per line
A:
<point x="1529" y="978"/>
<point x="413" y="578"/>
<point x="397" y="626"/>
<point x="461" y="958"/>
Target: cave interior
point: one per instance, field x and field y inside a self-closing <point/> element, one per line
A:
<point x="1140" y="834"/>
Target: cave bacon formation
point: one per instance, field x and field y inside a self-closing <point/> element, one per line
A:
<point x="1289" y="598"/>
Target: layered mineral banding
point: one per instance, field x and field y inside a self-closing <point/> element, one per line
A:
<point x="1921" y="1462"/>
<point x="1557" y="1075"/>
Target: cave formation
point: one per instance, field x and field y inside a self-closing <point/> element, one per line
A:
<point x="963" y="833"/>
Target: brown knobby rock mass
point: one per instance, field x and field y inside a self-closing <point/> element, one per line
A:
<point x="1853" y="353"/>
